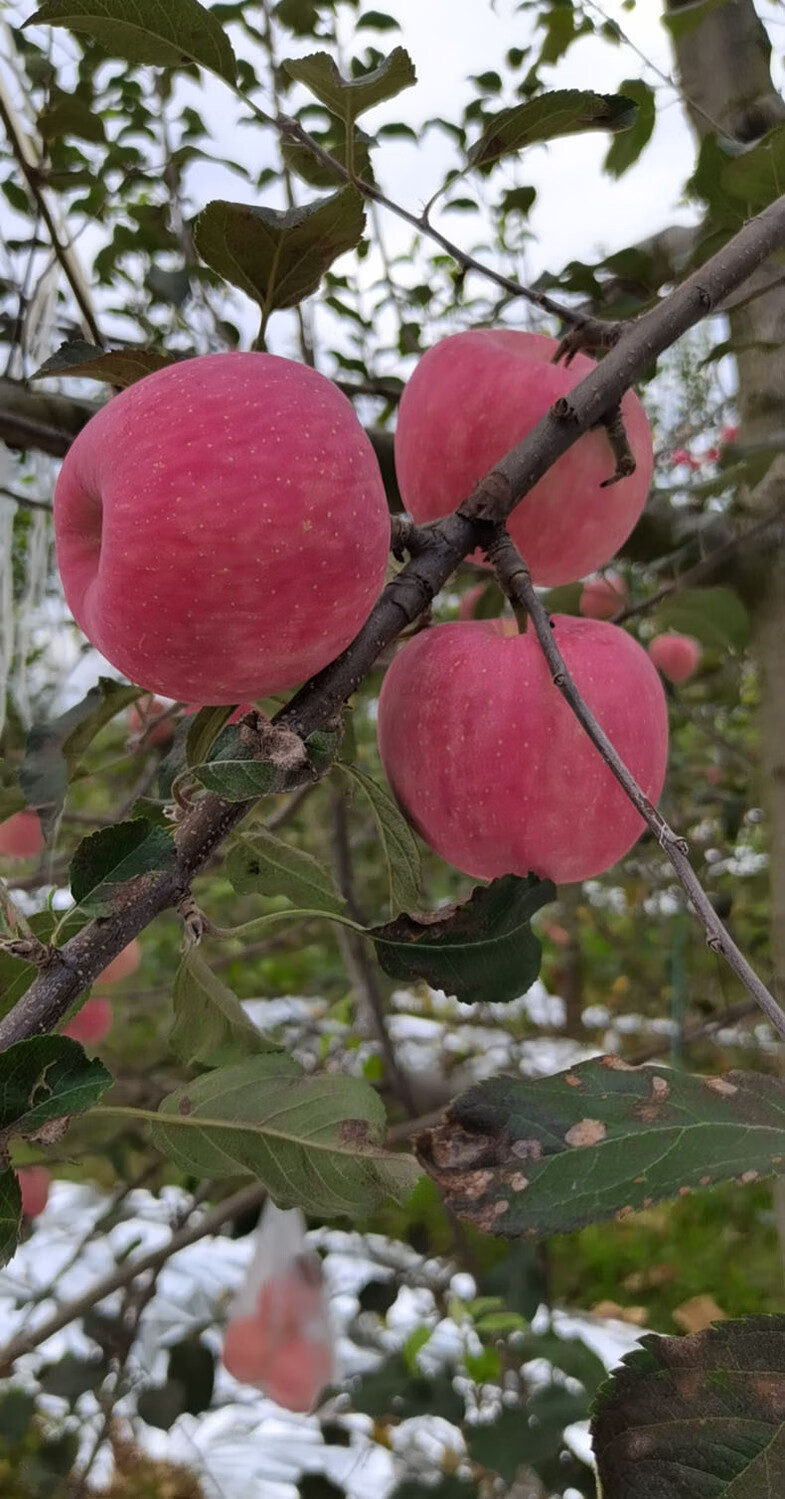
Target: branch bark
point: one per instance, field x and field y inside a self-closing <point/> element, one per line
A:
<point x="78" y="962"/>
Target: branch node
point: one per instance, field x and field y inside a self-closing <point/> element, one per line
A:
<point x="194" y="921"/>
<point x="589" y="335"/>
<point x="620" y="447"/>
<point x="29" y="950"/>
<point x="563" y="410"/>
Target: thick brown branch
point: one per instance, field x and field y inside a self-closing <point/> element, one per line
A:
<point x="82" y="958"/>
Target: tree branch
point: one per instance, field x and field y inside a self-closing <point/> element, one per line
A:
<point x="515" y="579"/>
<point x="78" y="962"/>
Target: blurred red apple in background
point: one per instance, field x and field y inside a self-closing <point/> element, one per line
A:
<point x="90" y="1024"/>
<point x="120" y="967"/>
<point x="20" y="836"/>
<point x="34" y="1187"/>
<point x="601" y="598"/>
<point x="676" y="656"/>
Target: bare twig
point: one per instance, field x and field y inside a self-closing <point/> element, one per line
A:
<point x="316" y="705"/>
<point x="515" y="579"/>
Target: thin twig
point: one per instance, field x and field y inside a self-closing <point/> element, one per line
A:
<point x="704" y="570"/>
<point x="515" y="579"/>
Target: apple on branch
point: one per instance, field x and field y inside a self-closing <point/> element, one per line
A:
<point x="221" y="527"/>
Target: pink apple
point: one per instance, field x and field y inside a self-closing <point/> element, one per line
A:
<point x="90" y="1024"/>
<point x="34" y="1187"/>
<point x="221" y="527"/>
<point x="676" y="656"/>
<point x="471" y="398"/>
<point x="601" y="598"/>
<point x="299" y="1370"/>
<point x="246" y="1349"/>
<point x="490" y="764"/>
<point x="20" y="836"/>
<point x="124" y="964"/>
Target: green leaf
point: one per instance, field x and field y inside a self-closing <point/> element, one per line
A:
<point x="377" y="20"/>
<point x="483" y="951"/>
<point x="562" y="112"/>
<point x="203" y="730"/>
<point x="451" y="1487"/>
<point x="278" y="258"/>
<point x="755" y="176"/>
<point x="160" y="1405"/>
<point x="626" y="147"/>
<point x="392" y="1390"/>
<point x="72" y="1377"/>
<point x="166" y="35"/>
<point x="210" y="1024"/>
<point x="53" y="750"/>
<point x="315" y="1142"/>
<point x="192" y="1366"/>
<point x="44" y="1080"/>
<point x="697" y="1415"/>
<point x="114" y="366"/>
<point x="261" y="864"/>
<point x="300" y="16"/>
<point x="239" y="770"/>
<point x="349" y="98"/>
<point x="526" y="1435"/>
<point x="16" y="976"/>
<point x="603" y="1140"/>
<point x="398" y="843"/>
<point x="110" y="858"/>
<point x="715" y="616"/>
<point x="10" y="1215"/>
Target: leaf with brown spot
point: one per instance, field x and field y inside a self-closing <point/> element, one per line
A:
<point x="697" y="1415"/>
<point x="609" y="1144"/>
<point x="316" y="1142"/>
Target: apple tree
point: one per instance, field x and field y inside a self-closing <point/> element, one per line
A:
<point x="386" y="628"/>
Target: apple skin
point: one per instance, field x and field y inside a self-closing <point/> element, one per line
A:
<point x="34" y="1187"/>
<point x="20" y="836"/>
<point x="601" y="598"/>
<point x="221" y="527"/>
<point x="676" y="656"/>
<point x="124" y="964"/>
<point x="90" y="1024"/>
<point x="491" y="766"/>
<point x="471" y="398"/>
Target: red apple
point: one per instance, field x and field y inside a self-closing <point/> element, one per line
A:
<point x="90" y="1024"/>
<point x="601" y="598"/>
<point x="34" y="1187"/>
<point x="20" y="836"/>
<point x="246" y="1349"/>
<point x="299" y="1370"/>
<point x="221" y="527"/>
<point x="120" y="967"/>
<point x="490" y="764"/>
<point x="471" y="398"/>
<point x="676" y="656"/>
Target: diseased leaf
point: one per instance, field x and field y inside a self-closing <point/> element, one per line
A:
<point x="398" y="843"/>
<point x="46" y="1079"/>
<point x="697" y="1415"/>
<point x="483" y="951"/>
<point x="112" y="857"/>
<point x="10" y="1214"/>
<point x="561" y="112"/>
<point x="603" y="1140"/>
<point x="278" y="258"/>
<point x="627" y="145"/>
<point x="240" y="769"/>
<point x="165" y="33"/>
<point x="114" y="366"/>
<point x="715" y="616"/>
<point x="262" y="864"/>
<point x="349" y="98"/>
<point x="210" y="1024"/>
<point x="316" y="1142"/>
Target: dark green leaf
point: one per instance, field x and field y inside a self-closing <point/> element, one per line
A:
<point x="261" y="864"/>
<point x="347" y="99"/>
<point x="160" y="1405"/>
<point x="17" y="1408"/>
<point x="53" y="750"/>
<point x="697" y="1416"/>
<point x="10" y="1219"/>
<point x="203" y="730"/>
<point x="398" y="843"/>
<point x="278" y="258"/>
<point x="210" y="1024"/>
<point x="90" y="362"/>
<point x="451" y="1487"/>
<point x="755" y="176"/>
<point x="301" y="16"/>
<point x="626" y="147"/>
<point x="239" y="771"/>
<point x="316" y="1142"/>
<point x="391" y="1390"/>
<point x="526" y="1436"/>
<point x="46" y="1080"/>
<point x="518" y="200"/>
<point x="192" y="1365"/>
<point x="603" y="1140"/>
<point x="71" y="1377"/>
<point x="715" y="616"/>
<point x="483" y="951"/>
<point x="110" y="858"/>
<point x="166" y="35"/>
<point x="562" y="112"/>
<point x="317" y="1486"/>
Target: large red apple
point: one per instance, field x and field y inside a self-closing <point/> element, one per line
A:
<point x="676" y="656"/>
<point x="475" y="395"/>
<point x="20" y="836"/>
<point x="221" y="527"/>
<point x="490" y="764"/>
